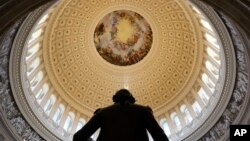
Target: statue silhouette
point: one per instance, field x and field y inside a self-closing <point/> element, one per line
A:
<point x="122" y="121"/>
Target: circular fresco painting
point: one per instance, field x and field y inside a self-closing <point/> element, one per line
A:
<point x="123" y="37"/>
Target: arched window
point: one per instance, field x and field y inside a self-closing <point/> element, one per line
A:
<point x="68" y="123"/>
<point x="196" y="10"/>
<point x="206" y="24"/>
<point x="196" y="107"/>
<point x="212" y="68"/>
<point x="35" y="63"/>
<point x="208" y="82"/>
<point x="187" y="116"/>
<point x="213" y="55"/>
<point x="32" y="50"/>
<point x="36" y="79"/>
<point x="211" y="39"/>
<point x="44" y="90"/>
<point x="43" y="19"/>
<point x="35" y="35"/>
<point x="49" y="104"/>
<point x="80" y="124"/>
<point x="176" y="120"/>
<point x="58" y="114"/>
<point x="39" y="92"/>
<point x="165" y="126"/>
<point x="203" y="95"/>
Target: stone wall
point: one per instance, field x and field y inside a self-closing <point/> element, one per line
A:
<point x="12" y="115"/>
<point x="240" y="97"/>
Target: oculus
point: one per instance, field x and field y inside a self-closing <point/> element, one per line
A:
<point x="123" y="37"/>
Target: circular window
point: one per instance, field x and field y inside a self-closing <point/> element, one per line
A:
<point x="123" y="37"/>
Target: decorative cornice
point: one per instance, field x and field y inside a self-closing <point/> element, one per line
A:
<point x="12" y="116"/>
<point x="239" y="101"/>
<point x="27" y="123"/>
<point x="229" y="67"/>
<point x="219" y="129"/>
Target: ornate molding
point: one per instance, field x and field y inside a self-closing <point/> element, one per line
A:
<point x="236" y="108"/>
<point x="230" y="73"/>
<point x="12" y="116"/>
<point x="15" y="75"/>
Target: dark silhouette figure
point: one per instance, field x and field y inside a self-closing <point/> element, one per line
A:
<point x="122" y="121"/>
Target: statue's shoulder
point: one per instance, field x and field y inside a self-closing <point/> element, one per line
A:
<point x="98" y="110"/>
<point x="147" y="108"/>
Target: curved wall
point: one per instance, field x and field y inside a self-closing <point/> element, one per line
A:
<point x="235" y="111"/>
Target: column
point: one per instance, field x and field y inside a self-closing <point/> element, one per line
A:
<point x="75" y="123"/>
<point x="198" y="99"/>
<point x="55" y="107"/>
<point x="172" y="127"/>
<point x="213" y="47"/>
<point x="216" y="64"/>
<point x="62" y="121"/>
<point x="190" y="108"/>
<point x="46" y="97"/>
<point x="209" y="74"/>
<point x="33" y="73"/>
<point x="39" y="85"/>
<point x="205" y="87"/>
<point x="33" y="57"/>
<point x="180" y="116"/>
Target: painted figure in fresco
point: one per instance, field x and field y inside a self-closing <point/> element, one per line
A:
<point x="123" y="32"/>
<point x="122" y="121"/>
